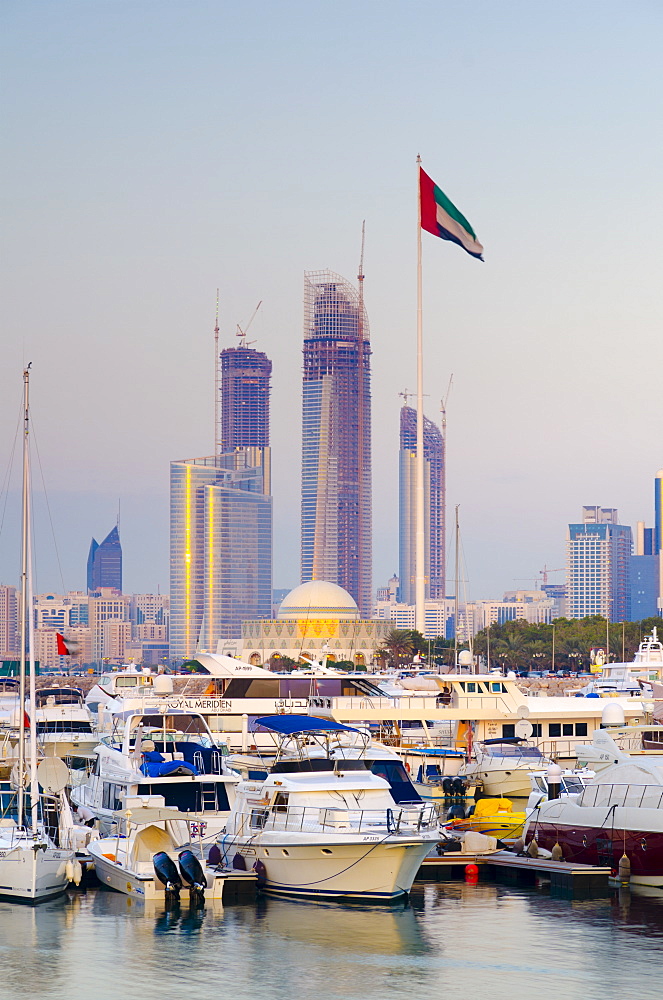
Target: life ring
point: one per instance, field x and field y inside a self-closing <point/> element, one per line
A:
<point x="407" y="767"/>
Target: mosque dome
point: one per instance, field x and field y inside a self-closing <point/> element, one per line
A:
<point x="318" y="599"/>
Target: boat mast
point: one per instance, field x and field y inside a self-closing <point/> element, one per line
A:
<point x="27" y="626"/>
<point x="34" y="784"/>
<point x="24" y="598"/>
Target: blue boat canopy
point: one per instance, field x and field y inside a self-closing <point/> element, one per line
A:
<point x="288" y="725"/>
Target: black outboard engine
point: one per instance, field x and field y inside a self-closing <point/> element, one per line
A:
<point x="448" y="786"/>
<point x="193" y="875"/>
<point x="166" y="871"/>
<point x="459" y="787"/>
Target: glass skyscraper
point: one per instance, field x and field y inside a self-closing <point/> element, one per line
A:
<point x="336" y="542"/>
<point x="434" y="508"/>
<point x="104" y="562"/>
<point x="220" y="547"/>
<point x="598" y="570"/>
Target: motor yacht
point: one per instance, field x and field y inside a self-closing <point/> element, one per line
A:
<point x="630" y="679"/>
<point x="503" y="766"/>
<point x="63" y="722"/>
<point x="163" y="752"/>
<point x="619" y="812"/>
<point x="319" y="827"/>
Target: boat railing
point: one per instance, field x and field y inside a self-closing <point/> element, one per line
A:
<point x="404" y="819"/>
<point x="615" y="796"/>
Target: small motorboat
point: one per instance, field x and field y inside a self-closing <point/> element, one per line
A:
<point x="155" y="860"/>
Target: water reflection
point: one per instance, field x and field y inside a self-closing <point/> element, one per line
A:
<point x="482" y="938"/>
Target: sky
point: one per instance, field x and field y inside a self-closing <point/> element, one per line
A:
<point x="156" y="150"/>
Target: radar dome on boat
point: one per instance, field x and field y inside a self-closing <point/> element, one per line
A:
<point x="318" y="599"/>
<point x="612" y="714"/>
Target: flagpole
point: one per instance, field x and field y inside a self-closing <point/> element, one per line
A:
<point x="420" y="546"/>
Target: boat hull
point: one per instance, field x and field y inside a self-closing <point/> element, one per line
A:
<point x="139" y="885"/>
<point x="379" y="871"/>
<point x="33" y="876"/>
<point x="601" y="844"/>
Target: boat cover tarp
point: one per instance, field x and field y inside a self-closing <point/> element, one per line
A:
<point x="288" y="725"/>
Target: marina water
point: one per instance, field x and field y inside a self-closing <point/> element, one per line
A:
<point x="452" y="939"/>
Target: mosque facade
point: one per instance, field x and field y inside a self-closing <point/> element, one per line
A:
<point x="315" y="619"/>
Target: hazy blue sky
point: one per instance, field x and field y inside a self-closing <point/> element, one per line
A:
<point x="157" y="149"/>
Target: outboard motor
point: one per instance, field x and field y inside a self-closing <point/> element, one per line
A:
<point x="166" y="871"/>
<point x="448" y="786"/>
<point x="194" y="877"/>
<point x="459" y="787"/>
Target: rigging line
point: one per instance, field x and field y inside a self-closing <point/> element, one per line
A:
<point x="48" y="506"/>
<point x="10" y="465"/>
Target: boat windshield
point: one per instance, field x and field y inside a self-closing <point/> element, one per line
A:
<point x="513" y="750"/>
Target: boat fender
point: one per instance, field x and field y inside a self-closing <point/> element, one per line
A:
<point x="624" y="870"/>
<point x="214" y="856"/>
<point x="239" y="862"/>
<point x="518" y="845"/>
<point x="557" y="853"/>
<point x="261" y="872"/>
<point x="69" y="871"/>
<point x="533" y="849"/>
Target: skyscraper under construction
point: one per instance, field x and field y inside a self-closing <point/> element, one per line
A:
<point x="336" y="445"/>
<point x="245" y="375"/>
<point x="434" y="508"/>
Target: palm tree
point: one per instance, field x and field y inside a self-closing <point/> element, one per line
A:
<point x="398" y="644"/>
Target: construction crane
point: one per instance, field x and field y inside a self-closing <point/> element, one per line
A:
<point x="243" y="332"/>
<point x="544" y="573"/>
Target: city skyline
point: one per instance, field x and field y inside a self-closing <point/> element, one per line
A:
<point x="120" y="237"/>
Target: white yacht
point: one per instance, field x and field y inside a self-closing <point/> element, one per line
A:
<point x="503" y="766"/>
<point x="162" y="752"/>
<point x="630" y="679"/>
<point x="320" y="828"/>
<point x="63" y="722"/>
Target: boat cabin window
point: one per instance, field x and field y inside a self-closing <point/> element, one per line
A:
<point x="471" y="687"/>
<point x="497" y="687"/>
<point x="567" y="729"/>
<point x="537" y="729"/>
<point x="581" y="728"/>
<point x="554" y="729"/>
<point x="280" y="803"/>
<point x="508" y="729"/>
<point x="572" y="785"/>
<point x="111" y="796"/>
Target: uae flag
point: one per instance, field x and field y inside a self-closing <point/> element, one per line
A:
<point x="66" y="647"/>
<point x="441" y="218"/>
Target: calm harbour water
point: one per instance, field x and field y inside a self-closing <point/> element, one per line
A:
<point x="482" y="940"/>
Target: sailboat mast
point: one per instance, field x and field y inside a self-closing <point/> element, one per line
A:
<point x="24" y="595"/>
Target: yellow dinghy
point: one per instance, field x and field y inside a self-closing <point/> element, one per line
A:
<point x="493" y="817"/>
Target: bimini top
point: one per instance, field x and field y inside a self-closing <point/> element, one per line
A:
<point x="288" y="725"/>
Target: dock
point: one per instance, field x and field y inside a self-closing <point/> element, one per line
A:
<point x="566" y="878"/>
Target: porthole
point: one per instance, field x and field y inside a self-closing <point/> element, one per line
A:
<point x="266" y="852"/>
<point x="283" y="851"/>
<point x="643" y="843"/>
<point x="325" y="850"/>
<point x="584" y="841"/>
